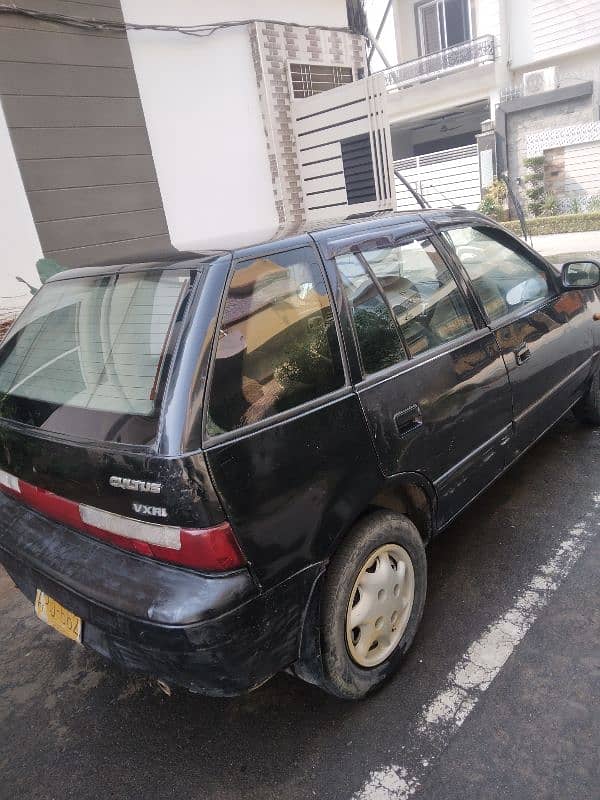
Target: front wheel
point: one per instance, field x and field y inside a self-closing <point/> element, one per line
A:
<point x="588" y="408"/>
<point x="372" y="604"/>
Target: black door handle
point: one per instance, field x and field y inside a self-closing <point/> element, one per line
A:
<point x="522" y="353"/>
<point x="408" y="420"/>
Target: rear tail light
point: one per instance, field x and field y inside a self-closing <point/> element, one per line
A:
<point x="9" y="482"/>
<point x="213" y="549"/>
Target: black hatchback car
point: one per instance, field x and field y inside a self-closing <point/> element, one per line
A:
<point x="217" y="467"/>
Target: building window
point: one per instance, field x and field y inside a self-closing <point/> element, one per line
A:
<point x="309" y="79"/>
<point x="442" y="23"/>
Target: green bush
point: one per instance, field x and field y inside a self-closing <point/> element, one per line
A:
<point x="489" y="208"/>
<point x="550" y="206"/>
<point x="564" y="223"/>
<point x="575" y="205"/>
<point x="593" y="206"/>
<point x="534" y="180"/>
<point x="493" y="203"/>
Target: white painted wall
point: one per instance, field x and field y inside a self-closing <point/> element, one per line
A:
<point x="526" y="31"/>
<point x="582" y="170"/>
<point x="488" y="17"/>
<point x="547" y="29"/>
<point x="20" y="246"/>
<point x="203" y="115"/>
<point x="573" y="68"/>
<point x="321" y="13"/>
<point x="375" y="10"/>
<point x="202" y="110"/>
<point x="406" y="30"/>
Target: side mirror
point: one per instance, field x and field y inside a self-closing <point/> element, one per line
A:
<point x="581" y="274"/>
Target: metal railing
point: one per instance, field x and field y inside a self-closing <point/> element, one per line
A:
<point x="475" y="51"/>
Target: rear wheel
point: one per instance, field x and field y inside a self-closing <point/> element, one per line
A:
<point x="372" y="604"/>
<point x="588" y="408"/>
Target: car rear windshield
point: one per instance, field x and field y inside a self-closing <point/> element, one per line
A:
<point x="88" y="356"/>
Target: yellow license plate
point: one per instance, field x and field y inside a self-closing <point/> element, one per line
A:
<point x="57" y="616"/>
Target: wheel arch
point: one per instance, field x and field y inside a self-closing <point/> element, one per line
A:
<point x="410" y="494"/>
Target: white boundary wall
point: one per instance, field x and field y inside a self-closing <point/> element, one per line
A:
<point x="20" y="243"/>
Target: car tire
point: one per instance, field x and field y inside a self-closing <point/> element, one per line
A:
<point x="588" y="408"/>
<point x="362" y="581"/>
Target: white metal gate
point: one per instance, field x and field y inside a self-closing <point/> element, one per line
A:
<point x="446" y="178"/>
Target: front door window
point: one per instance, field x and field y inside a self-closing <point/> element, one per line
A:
<point x="504" y="278"/>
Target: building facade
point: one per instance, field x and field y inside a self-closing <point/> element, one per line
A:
<point x="532" y="67"/>
<point x="118" y="144"/>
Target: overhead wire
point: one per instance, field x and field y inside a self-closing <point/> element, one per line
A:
<point x="113" y="26"/>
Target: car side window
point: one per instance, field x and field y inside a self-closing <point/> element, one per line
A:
<point x="278" y="345"/>
<point x="377" y="334"/>
<point x="504" y="278"/>
<point x="429" y="306"/>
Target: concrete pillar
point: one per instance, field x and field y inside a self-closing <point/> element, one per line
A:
<point x="486" y="145"/>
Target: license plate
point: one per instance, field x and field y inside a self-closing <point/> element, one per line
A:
<point x="57" y="616"/>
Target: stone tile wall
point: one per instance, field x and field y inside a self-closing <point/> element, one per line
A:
<point x="273" y="48"/>
<point x="523" y="125"/>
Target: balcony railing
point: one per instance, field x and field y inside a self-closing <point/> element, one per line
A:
<point x="475" y="51"/>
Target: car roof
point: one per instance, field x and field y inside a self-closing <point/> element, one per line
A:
<point x="175" y="259"/>
<point x="387" y="218"/>
<point x="355" y="225"/>
<point x="289" y="238"/>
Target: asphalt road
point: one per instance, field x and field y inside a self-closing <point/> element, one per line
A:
<point x="73" y="726"/>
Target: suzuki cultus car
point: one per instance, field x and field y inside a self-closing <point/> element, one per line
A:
<point x="214" y="468"/>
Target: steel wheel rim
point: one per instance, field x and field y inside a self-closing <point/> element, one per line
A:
<point x="379" y="606"/>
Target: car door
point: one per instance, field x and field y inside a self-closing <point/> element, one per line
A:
<point x="546" y="350"/>
<point x="431" y="379"/>
<point x="282" y="430"/>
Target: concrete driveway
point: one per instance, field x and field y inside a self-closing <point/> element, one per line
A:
<point x="498" y="697"/>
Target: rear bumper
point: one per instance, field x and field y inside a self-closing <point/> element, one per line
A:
<point x="212" y="634"/>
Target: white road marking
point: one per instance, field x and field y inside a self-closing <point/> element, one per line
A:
<point x="476" y="670"/>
